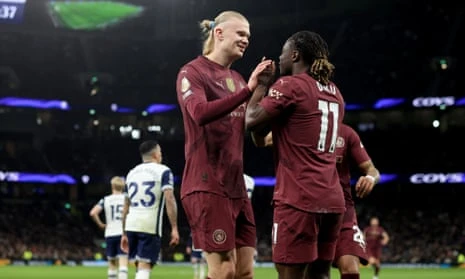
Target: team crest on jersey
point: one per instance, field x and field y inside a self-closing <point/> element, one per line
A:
<point x="219" y="236"/>
<point x="185" y="84"/>
<point x="230" y="84"/>
<point x="340" y="142"/>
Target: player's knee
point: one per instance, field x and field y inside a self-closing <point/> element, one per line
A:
<point x="224" y="270"/>
<point x="348" y="265"/>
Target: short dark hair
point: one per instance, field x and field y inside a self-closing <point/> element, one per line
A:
<point x="147" y="146"/>
<point x="314" y="52"/>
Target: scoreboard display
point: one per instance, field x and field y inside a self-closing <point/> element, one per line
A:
<point x="12" y="11"/>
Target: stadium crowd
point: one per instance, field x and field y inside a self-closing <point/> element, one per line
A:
<point x="52" y="232"/>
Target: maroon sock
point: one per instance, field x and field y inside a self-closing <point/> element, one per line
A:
<point x="350" y="276"/>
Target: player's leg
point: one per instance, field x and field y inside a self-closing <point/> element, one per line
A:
<point x="221" y="265"/>
<point x="377" y="267"/>
<point x="111" y="251"/>
<point x="122" y="259"/>
<point x="328" y="233"/>
<point x="244" y="264"/>
<point x="123" y="266"/>
<point x="246" y="238"/>
<point x="350" y="252"/>
<point x="112" y="268"/>
<point x="148" y="251"/>
<point x="213" y="230"/>
<point x="348" y="267"/>
<point x="195" y="265"/>
<point x="202" y="267"/>
<point x="294" y="241"/>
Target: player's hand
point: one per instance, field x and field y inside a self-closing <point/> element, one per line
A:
<point x="124" y="243"/>
<point x="364" y="186"/>
<point x="102" y="226"/>
<point x="174" y="237"/>
<point x="263" y="74"/>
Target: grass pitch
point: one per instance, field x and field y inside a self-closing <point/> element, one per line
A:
<point x="90" y="15"/>
<point x="181" y="272"/>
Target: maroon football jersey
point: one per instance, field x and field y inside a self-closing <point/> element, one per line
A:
<point x="373" y="236"/>
<point x="349" y="149"/>
<point x="305" y="126"/>
<point x="212" y="100"/>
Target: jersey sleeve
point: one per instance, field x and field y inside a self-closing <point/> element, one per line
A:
<point x="357" y="151"/>
<point x="101" y="203"/>
<point x="191" y="94"/>
<point x="280" y="96"/>
<point x="167" y="181"/>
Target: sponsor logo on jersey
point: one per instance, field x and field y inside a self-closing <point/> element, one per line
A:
<point x="230" y="84"/>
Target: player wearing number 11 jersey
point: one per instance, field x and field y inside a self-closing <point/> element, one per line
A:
<point x="148" y="186"/>
<point x="304" y="109"/>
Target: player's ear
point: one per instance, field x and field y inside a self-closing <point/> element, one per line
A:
<point x="219" y="33"/>
<point x="295" y="56"/>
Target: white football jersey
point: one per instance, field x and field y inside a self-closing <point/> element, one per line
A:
<point x="113" y="205"/>
<point x="145" y="185"/>
<point x="249" y="185"/>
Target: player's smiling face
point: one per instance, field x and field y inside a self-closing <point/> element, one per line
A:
<point x="285" y="59"/>
<point x="234" y="37"/>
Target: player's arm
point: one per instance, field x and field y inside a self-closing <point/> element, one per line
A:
<point x="124" y="238"/>
<point x="256" y="116"/>
<point x="359" y="155"/>
<point x="167" y="186"/>
<point x="192" y="94"/>
<point x="95" y="214"/>
<point x="366" y="183"/>
<point x="385" y="238"/>
<point x="262" y="141"/>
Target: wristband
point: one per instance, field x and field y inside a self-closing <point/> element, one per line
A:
<point x="371" y="178"/>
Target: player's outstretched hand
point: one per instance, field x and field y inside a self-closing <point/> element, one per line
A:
<point x="263" y="74"/>
<point x="103" y="226"/>
<point x="364" y="186"/>
<point x="124" y="243"/>
<point x="174" y="237"/>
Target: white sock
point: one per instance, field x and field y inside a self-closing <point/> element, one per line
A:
<point x="112" y="273"/>
<point x="143" y="274"/>
<point x="202" y="270"/>
<point x="123" y="273"/>
<point x="196" y="270"/>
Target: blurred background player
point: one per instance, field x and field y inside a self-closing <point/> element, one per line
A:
<point x="212" y="98"/>
<point x="113" y="205"/>
<point x="351" y="246"/>
<point x="304" y="109"/>
<point x="149" y="185"/>
<point x="197" y="259"/>
<point x="376" y="237"/>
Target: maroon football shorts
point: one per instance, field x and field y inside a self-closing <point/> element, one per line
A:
<point x="302" y="237"/>
<point x="374" y="252"/>
<point x="219" y="223"/>
<point x="351" y="242"/>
